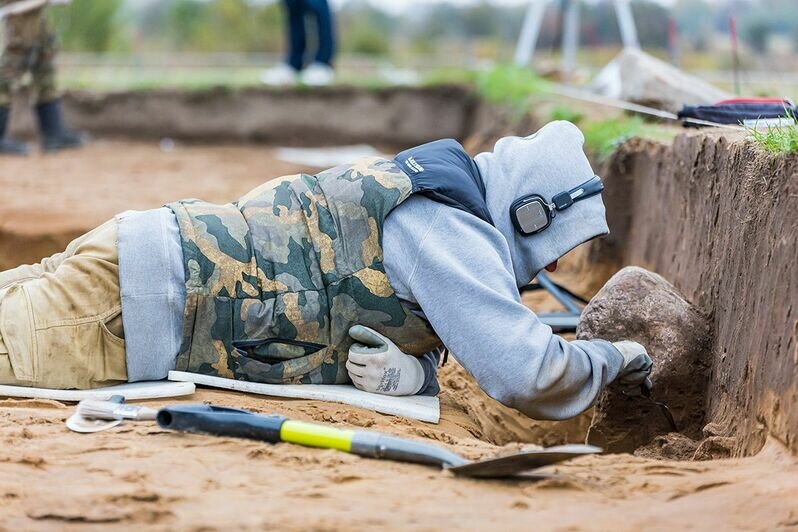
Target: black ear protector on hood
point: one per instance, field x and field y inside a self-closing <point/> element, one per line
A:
<point x="532" y="214"/>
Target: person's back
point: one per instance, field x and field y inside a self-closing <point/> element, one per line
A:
<point x="464" y="273"/>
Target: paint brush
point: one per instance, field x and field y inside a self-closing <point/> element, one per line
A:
<point x="93" y="409"/>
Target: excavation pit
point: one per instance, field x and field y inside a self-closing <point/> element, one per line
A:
<point x="708" y="213"/>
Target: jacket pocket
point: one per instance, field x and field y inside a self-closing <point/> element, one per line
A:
<point x="280" y="361"/>
<point x="275" y="350"/>
<point x="112" y="366"/>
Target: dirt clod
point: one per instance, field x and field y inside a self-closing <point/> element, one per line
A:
<point x="671" y="446"/>
<point x="639" y="305"/>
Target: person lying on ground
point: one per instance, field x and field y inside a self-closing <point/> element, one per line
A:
<point x="362" y="274"/>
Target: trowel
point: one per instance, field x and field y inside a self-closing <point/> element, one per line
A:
<point x="232" y="422"/>
<point x="645" y="391"/>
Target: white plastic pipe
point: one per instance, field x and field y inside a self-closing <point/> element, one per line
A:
<point x="570" y="38"/>
<point x="626" y="22"/>
<point x="530" y="31"/>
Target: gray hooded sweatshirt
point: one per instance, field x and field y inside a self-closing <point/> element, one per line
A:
<point x="464" y="274"/>
<point x="461" y="272"/>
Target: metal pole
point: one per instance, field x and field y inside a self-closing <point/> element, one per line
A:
<point x="530" y="32"/>
<point x="626" y="22"/>
<point x="570" y="38"/>
<point x="552" y="288"/>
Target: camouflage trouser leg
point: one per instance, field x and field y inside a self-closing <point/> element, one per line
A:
<point x="8" y="73"/>
<point x="28" y="58"/>
<point x="43" y="71"/>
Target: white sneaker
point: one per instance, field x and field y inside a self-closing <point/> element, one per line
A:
<point x="318" y="75"/>
<point x="279" y="75"/>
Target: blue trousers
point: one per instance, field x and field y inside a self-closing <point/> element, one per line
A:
<point x="297" y="37"/>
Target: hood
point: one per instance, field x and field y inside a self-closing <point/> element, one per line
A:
<point x="545" y="163"/>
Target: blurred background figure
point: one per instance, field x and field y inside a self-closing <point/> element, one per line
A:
<point x="28" y="59"/>
<point x="320" y="71"/>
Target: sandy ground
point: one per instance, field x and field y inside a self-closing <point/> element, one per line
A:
<point x="138" y="476"/>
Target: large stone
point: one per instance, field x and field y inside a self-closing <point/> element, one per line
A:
<point x="638" y="77"/>
<point x="639" y="305"/>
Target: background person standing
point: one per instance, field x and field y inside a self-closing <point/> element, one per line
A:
<point x="28" y="58"/>
<point x="320" y="71"/>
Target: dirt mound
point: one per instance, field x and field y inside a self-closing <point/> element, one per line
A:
<point x="497" y="424"/>
<point x="395" y="116"/>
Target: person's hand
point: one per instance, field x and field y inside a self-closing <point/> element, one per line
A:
<point x="636" y="364"/>
<point x="376" y="365"/>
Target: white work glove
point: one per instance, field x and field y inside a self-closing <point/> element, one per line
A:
<point x="636" y="365"/>
<point x="376" y="365"/>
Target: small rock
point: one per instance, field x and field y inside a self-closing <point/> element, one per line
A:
<point x="641" y="306"/>
<point x="715" y="448"/>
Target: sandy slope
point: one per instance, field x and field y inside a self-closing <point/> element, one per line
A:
<point x="138" y="476"/>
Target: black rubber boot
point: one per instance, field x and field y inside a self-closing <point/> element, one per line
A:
<point x="8" y="146"/>
<point x="55" y="137"/>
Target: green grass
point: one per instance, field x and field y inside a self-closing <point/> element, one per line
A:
<point x="447" y="76"/>
<point x="126" y="78"/>
<point x="778" y="140"/>
<point x="603" y="137"/>
<point x="562" y="112"/>
<point x="509" y="85"/>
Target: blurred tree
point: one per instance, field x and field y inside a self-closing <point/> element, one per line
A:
<point x="694" y="19"/>
<point x="88" y="25"/>
<point x="185" y="21"/>
<point x="221" y="25"/>
<point x="652" y="23"/>
<point x="756" y="33"/>
<point x="434" y="30"/>
<point x="364" y="30"/>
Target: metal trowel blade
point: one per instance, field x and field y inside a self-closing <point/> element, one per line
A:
<point x="514" y="464"/>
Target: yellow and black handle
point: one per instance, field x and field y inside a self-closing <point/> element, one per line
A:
<point x="233" y="422"/>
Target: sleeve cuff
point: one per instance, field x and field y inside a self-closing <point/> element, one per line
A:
<point x="429" y="362"/>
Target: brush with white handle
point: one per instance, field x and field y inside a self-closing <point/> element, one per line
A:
<point x="93" y="409"/>
<point x="96" y="416"/>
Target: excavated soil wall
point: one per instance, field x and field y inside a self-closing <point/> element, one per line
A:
<point x="718" y="218"/>
<point x="395" y="117"/>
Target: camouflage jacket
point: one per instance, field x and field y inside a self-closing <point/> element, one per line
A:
<point x="276" y="279"/>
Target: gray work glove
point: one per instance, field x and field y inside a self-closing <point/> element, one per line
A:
<point x="636" y="367"/>
<point x="377" y="365"/>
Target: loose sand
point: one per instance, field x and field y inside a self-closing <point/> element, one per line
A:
<point x="138" y="476"/>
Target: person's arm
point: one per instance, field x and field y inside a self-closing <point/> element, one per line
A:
<point x="463" y="282"/>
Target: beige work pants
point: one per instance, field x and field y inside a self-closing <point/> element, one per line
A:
<point x="61" y="320"/>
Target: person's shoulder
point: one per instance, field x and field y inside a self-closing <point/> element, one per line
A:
<point x="415" y="215"/>
<point x="421" y="219"/>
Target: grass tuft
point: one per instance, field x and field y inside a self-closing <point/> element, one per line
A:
<point x="603" y="137"/>
<point x="509" y="85"/>
<point x="778" y="140"/>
